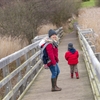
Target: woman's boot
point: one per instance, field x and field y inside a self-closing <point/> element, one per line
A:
<point x="54" y="88"/>
<point x="56" y="83"/>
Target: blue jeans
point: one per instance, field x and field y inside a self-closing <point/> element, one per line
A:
<point x="54" y="70"/>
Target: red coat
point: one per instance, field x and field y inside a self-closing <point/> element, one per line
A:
<point x="53" y="54"/>
<point x="72" y="58"/>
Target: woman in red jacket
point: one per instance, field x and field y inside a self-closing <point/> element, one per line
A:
<point x="52" y="51"/>
<point x="72" y="57"/>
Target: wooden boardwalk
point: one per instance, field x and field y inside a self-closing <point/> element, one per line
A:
<point x="72" y="89"/>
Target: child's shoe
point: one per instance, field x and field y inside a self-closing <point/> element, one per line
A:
<point x="77" y="75"/>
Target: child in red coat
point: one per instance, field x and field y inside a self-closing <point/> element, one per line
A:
<point x="72" y="57"/>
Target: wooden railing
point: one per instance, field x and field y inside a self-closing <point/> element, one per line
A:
<point x="91" y="58"/>
<point x="20" y="69"/>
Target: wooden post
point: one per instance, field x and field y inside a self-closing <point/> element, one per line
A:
<point x="18" y="63"/>
<point x="87" y="39"/>
<point x="28" y="66"/>
<point x="34" y="61"/>
<point x="98" y="56"/>
<point x="85" y="36"/>
<point x="90" y="43"/>
<point x="8" y="86"/>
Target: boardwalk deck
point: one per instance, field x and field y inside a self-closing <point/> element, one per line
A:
<point x="72" y="89"/>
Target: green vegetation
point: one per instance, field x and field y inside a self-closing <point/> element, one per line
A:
<point x="90" y="3"/>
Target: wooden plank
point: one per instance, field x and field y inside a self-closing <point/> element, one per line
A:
<point x="8" y="85"/>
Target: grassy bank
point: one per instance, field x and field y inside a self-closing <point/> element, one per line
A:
<point x="90" y="3"/>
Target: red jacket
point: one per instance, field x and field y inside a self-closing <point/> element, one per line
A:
<point x="53" y="54"/>
<point x="72" y="58"/>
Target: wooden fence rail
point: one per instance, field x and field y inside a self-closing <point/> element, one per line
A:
<point x="91" y="59"/>
<point x="20" y="69"/>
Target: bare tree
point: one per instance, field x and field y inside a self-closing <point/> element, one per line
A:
<point x="24" y="17"/>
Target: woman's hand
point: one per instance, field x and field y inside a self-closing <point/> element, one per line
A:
<point x="45" y="66"/>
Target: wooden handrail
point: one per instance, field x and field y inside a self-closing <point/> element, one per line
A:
<point x="91" y="61"/>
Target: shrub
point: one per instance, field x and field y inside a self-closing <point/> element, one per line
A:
<point x="85" y="0"/>
<point x="98" y="3"/>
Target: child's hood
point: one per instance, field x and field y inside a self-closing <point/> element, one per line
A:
<point x="72" y="50"/>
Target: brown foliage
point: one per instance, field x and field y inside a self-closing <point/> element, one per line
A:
<point x="23" y="18"/>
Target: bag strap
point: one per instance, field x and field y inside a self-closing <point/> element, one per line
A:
<point x="44" y="46"/>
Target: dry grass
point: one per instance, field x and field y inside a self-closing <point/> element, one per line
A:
<point x="46" y="28"/>
<point x="9" y="45"/>
<point x="90" y="18"/>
